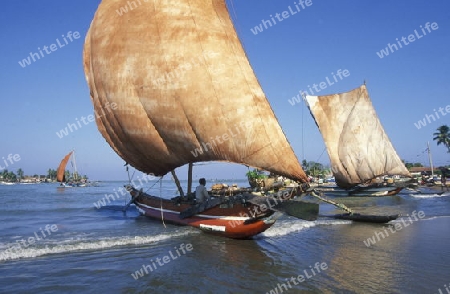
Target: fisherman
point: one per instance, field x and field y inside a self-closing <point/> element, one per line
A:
<point x="201" y="194"/>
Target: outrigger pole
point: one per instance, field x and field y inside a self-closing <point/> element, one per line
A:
<point x="338" y="205"/>
<point x="350" y="215"/>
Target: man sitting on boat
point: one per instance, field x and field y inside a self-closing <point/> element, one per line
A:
<point x="201" y="194"/>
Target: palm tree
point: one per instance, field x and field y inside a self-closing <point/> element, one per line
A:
<point x="12" y="177"/>
<point x="5" y="173"/>
<point x="51" y="174"/>
<point x="20" y="173"/>
<point x="443" y="136"/>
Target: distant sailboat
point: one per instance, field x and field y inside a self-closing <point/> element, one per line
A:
<point x="185" y="93"/>
<point x="61" y="172"/>
<point x="358" y="147"/>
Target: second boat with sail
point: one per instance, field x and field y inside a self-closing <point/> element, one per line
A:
<point x="359" y="148"/>
<point x="64" y="177"/>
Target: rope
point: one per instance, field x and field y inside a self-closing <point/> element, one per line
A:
<point x="160" y="198"/>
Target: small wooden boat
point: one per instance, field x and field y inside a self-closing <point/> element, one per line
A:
<point x="238" y="217"/>
<point x="155" y="124"/>
<point x="361" y="191"/>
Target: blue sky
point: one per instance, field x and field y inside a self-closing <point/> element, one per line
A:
<point x="40" y="99"/>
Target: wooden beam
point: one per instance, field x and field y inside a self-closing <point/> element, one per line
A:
<point x="177" y="182"/>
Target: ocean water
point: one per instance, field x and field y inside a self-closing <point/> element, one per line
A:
<point x="62" y="240"/>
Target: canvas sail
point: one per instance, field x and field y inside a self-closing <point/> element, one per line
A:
<point x="60" y="172"/>
<point x="357" y="144"/>
<point x="182" y="87"/>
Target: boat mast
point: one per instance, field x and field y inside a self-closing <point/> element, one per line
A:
<point x="429" y="158"/>
<point x="74" y="163"/>
<point x="177" y="182"/>
<point x="189" y="178"/>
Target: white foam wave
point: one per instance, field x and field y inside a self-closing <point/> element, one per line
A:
<point x="84" y="245"/>
<point x="283" y="228"/>
<point x="333" y="222"/>
<point x="429" y="195"/>
<point x="435" y="217"/>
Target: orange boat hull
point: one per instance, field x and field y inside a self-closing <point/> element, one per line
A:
<point x="236" y="220"/>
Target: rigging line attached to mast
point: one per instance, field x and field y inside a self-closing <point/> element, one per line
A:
<point x="128" y="172"/>
<point x="160" y="199"/>
<point x="160" y="179"/>
<point x="321" y="154"/>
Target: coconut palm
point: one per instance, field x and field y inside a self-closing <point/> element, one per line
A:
<point x="20" y="173"/>
<point x="51" y="174"/>
<point x="443" y="136"/>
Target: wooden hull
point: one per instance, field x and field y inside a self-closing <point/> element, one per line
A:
<point x="361" y="192"/>
<point x="232" y="219"/>
<point x="367" y="218"/>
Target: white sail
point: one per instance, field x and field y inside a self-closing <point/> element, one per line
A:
<point x="357" y="144"/>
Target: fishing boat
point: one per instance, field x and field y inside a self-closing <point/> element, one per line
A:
<point x="61" y="173"/>
<point x="7" y="183"/>
<point x="359" y="149"/>
<point x="185" y="93"/>
<point x="370" y="190"/>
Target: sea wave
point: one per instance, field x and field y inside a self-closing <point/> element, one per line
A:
<point x="436" y="217"/>
<point x="421" y="196"/>
<point x="285" y="227"/>
<point x="70" y="246"/>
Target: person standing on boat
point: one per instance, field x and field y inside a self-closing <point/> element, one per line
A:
<point x="201" y="194"/>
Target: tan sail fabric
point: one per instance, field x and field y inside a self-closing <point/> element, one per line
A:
<point x="183" y="88"/>
<point x="60" y="172"/>
<point x="357" y="144"/>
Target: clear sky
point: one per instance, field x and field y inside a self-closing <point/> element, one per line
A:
<point x="304" y="46"/>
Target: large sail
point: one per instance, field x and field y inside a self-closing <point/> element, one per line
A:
<point x="357" y="144"/>
<point x="171" y="85"/>
<point x="60" y="173"/>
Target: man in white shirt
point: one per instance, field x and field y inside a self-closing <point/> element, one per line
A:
<point x="201" y="194"/>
